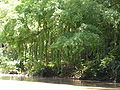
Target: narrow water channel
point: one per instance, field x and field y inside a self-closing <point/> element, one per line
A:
<point x="61" y="81"/>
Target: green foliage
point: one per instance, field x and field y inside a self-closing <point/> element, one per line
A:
<point x="66" y="37"/>
<point x="6" y="65"/>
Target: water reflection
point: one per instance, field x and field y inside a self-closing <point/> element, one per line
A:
<point x="61" y="81"/>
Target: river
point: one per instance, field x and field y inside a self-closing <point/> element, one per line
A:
<point x="61" y="82"/>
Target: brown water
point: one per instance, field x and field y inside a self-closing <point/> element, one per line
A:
<point x="61" y="81"/>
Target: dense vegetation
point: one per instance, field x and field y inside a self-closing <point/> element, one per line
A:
<point x="67" y="38"/>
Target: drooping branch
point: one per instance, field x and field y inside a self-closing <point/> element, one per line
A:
<point x="114" y="4"/>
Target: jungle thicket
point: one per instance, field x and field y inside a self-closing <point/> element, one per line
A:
<point x="67" y="38"/>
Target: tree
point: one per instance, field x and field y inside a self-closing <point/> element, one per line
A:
<point x="68" y="37"/>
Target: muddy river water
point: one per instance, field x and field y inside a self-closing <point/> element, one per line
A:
<point x="61" y="81"/>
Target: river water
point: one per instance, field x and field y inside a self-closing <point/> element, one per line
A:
<point x="61" y="81"/>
